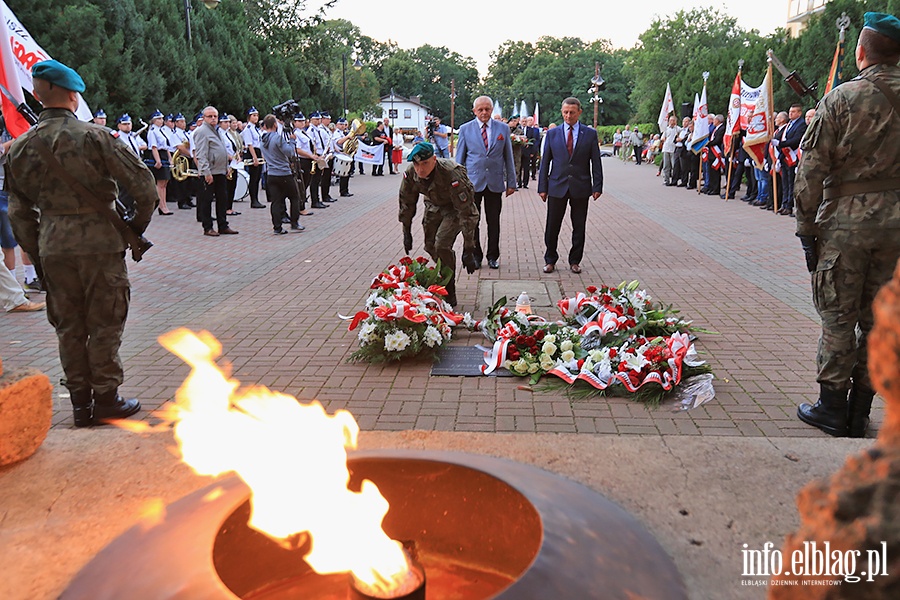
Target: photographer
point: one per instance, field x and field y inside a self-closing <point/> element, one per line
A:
<point x="279" y="149"/>
<point x="439" y="135"/>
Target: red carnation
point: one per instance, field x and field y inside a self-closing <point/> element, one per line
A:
<point x="630" y="311"/>
<point x="580" y="363"/>
<point x="612" y="352"/>
<point x="421" y="260"/>
<point x="591" y="289"/>
<point x="539" y="334"/>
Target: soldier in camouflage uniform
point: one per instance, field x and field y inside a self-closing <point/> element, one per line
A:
<point x="449" y="209"/>
<point x="79" y="250"/>
<point x="848" y="221"/>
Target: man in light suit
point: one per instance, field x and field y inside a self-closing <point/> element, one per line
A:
<point x="570" y="172"/>
<point x="485" y="150"/>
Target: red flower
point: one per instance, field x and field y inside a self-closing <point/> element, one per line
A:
<point x="580" y="363"/>
<point x="514" y="353"/>
<point x="630" y="311"/>
<point x="438" y="289"/>
<point x="520" y="340"/>
<point x="605" y="298"/>
<point x="591" y="289"/>
<point x="406" y="260"/>
<point x="421" y="260"/>
<point x="530" y="340"/>
<point x="612" y="352"/>
<point x="539" y="334"/>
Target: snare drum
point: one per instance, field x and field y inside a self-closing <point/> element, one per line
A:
<point x="242" y="185"/>
<point x="342" y="165"/>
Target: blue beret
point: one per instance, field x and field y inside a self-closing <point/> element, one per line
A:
<point x="157" y="114"/>
<point x="887" y="25"/>
<point x="58" y="74"/>
<point x="124" y="119"/>
<point x="299" y="117"/>
<point x="179" y="117"/>
<point x="100" y="114"/>
<point x="252" y="111"/>
<point x="422" y="151"/>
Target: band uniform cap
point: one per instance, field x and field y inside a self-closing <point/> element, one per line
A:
<point x="157" y="114"/>
<point x="324" y="114"/>
<point x="179" y="117"/>
<point x="100" y="114"/>
<point x="299" y="117"/>
<point x="252" y="111"/>
<point x="58" y="74"/>
<point x="126" y="118"/>
<point x="224" y="117"/>
<point x="341" y="120"/>
<point x="882" y="23"/>
<point x="422" y="151"/>
<point x="316" y="115"/>
<point x="170" y="117"/>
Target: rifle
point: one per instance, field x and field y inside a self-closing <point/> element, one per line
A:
<point x="794" y="80"/>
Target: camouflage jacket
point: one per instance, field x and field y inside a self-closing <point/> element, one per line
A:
<point x="854" y="137"/>
<point x="448" y="188"/>
<point x="49" y="218"/>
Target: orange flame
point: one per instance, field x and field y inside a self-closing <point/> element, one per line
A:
<point x="293" y="457"/>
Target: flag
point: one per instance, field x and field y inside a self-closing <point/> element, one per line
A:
<point x="537" y="116"/>
<point x="497" y="110"/>
<point x="523" y="110"/>
<point x="18" y="56"/>
<point x="373" y="155"/>
<point x="667" y="107"/>
<point x="733" y="119"/>
<point x="749" y="96"/>
<point x="760" y="128"/>
<point x="701" y="123"/>
<point x="837" y="66"/>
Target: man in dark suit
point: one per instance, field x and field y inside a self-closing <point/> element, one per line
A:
<point x="529" y="150"/>
<point x="787" y="144"/>
<point x="716" y="157"/>
<point x="485" y="150"/>
<point x="570" y="172"/>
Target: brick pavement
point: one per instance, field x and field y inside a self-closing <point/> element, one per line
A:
<point x="272" y="302"/>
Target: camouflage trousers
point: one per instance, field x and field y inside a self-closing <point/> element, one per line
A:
<point x="517" y="161"/>
<point x="441" y="225"/>
<point x="852" y="267"/>
<point x="87" y="304"/>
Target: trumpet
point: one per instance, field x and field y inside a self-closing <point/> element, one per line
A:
<point x="181" y="167"/>
<point x="321" y="163"/>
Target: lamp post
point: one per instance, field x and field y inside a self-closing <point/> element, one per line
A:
<point x="356" y="65"/>
<point x="210" y="4"/>
<point x="597" y="84"/>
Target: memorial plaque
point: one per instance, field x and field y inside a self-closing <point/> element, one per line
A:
<point x="462" y="361"/>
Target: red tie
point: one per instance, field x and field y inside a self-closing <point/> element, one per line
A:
<point x="484" y="135"/>
<point x="570" y="144"/>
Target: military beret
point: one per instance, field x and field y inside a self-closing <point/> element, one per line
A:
<point x="882" y="23"/>
<point x="514" y="117"/>
<point x="157" y="114"/>
<point x="252" y="111"/>
<point x="58" y="74"/>
<point x="100" y="114"/>
<point x="422" y="151"/>
<point x="124" y="119"/>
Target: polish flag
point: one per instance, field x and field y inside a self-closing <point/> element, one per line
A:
<point x="733" y="124"/>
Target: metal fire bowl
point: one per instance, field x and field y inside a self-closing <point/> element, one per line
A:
<point x="544" y="536"/>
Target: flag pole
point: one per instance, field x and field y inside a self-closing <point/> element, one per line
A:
<point x="771" y="124"/>
<point x="700" y="169"/>
<point x="731" y="158"/>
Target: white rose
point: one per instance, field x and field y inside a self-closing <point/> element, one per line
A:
<point x="550" y="338"/>
<point x="533" y="368"/>
<point x="546" y="362"/>
<point x="567" y="356"/>
<point x="548" y="348"/>
<point x="521" y="366"/>
<point x="597" y="355"/>
<point x="566" y="346"/>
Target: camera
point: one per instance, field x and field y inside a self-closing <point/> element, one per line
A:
<point x="285" y="111"/>
<point x="430" y="127"/>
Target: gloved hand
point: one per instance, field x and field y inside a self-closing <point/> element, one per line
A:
<point x="469" y="262"/>
<point x="407" y="240"/>
<point x="808" y="243"/>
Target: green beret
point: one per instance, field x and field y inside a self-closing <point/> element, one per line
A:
<point x="882" y="23"/>
<point x="58" y="74"/>
<point x="422" y="151"/>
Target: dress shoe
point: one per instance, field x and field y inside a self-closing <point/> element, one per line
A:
<point x="257" y="205"/>
<point x="549" y="268"/>
<point x="758" y="203"/>
<point x="228" y="231"/>
<point x="280" y="231"/>
<point x="767" y="207"/>
<point x="494" y="264"/>
<point x="329" y="200"/>
<point x="165" y="214"/>
<point x="28" y="306"/>
<point x="110" y="405"/>
<point x="211" y="233"/>
<point x="319" y="205"/>
<point x="233" y="213"/>
<point x="829" y="413"/>
<point x="347" y="195"/>
<point x="185" y="206"/>
<point x="82" y="408"/>
<point x="525" y="186"/>
<point x="297" y="227"/>
<point x="576" y="268"/>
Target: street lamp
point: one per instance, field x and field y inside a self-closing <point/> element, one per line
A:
<point x="210" y="4"/>
<point x="356" y="65"/>
<point x="597" y="84"/>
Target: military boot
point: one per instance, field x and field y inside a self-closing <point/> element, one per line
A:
<point x="829" y="413"/>
<point x="858" y="413"/>
<point x="82" y="408"/>
<point x="110" y="405"/>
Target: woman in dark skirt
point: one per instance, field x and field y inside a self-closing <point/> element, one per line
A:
<point x="159" y="158"/>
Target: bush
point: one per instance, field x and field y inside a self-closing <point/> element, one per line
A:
<point x="605" y="132"/>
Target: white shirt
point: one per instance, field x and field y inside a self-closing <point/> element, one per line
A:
<point x="575" y="128"/>
<point x="302" y="141"/>
<point x="315" y="134"/>
<point x="133" y="141"/>
<point x="669" y="136"/>
<point x="251" y="136"/>
<point x="156" y="138"/>
<point x="338" y="134"/>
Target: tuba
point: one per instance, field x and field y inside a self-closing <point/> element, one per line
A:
<point x="357" y="128"/>
<point x="181" y="167"/>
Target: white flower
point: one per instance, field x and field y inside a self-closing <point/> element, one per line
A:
<point x="396" y="341"/>
<point x="550" y="338"/>
<point x="567" y="356"/>
<point x="548" y="347"/>
<point x="566" y="345"/>
<point x="533" y="368"/>
<point x="547" y="363"/>
<point x="468" y="322"/>
<point x="588" y="365"/>
<point x="635" y="362"/>
<point x="366" y="333"/>
<point x="521" y="366"/>
<point x="598" y="355"/>
<point x="432" y="337"/>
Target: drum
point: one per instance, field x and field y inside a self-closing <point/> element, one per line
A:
<point x="242" y="188"/>
<point x="342" y="165"/>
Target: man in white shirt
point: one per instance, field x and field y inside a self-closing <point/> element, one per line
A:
<point x="668" y="149"/>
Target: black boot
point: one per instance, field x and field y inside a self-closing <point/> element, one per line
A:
<point x="829" y="413"/>
<point x="858" y="413"/>
<point x="82" y="408"/>
<point x="110" y="405"/>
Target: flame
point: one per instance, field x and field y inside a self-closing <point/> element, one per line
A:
<point x="293" y="457"/>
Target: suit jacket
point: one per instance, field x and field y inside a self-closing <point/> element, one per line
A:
<point x="493" y="169"/>
<point x="717" y="138"/>
<point x="795" y="133"/>
<point x="562" y="175"/>
<point x="533" y="134"/>
<point x="210" y="151"/>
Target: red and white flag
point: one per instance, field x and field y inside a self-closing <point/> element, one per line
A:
<point x="760" y="127"/>
<point x="733" y="120"/>
<point x="18" y="54"/>
<point x="537" y="116"/>
<point x="668" y="106"/>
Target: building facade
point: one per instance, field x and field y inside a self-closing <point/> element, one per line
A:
<point x="406" y="113"/>
<point x="799" y="12"/>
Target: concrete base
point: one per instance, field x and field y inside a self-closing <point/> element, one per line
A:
<point x="702" y="497"/>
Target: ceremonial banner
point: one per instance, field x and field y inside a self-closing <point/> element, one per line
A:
<point x="668" y="106"/>
<point x="733" y="119"/>
<point x="497" y="109"/>
<point x="837" y="66"/>
<point x="701" y="123"/>
<point x="523" y="110"/>
<point x="749" y="96"/>
<point x="537" y="116"/>
<point x="760" y="128"/>
<point x="23" y="53"/>
<point x="373" y="155"/>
